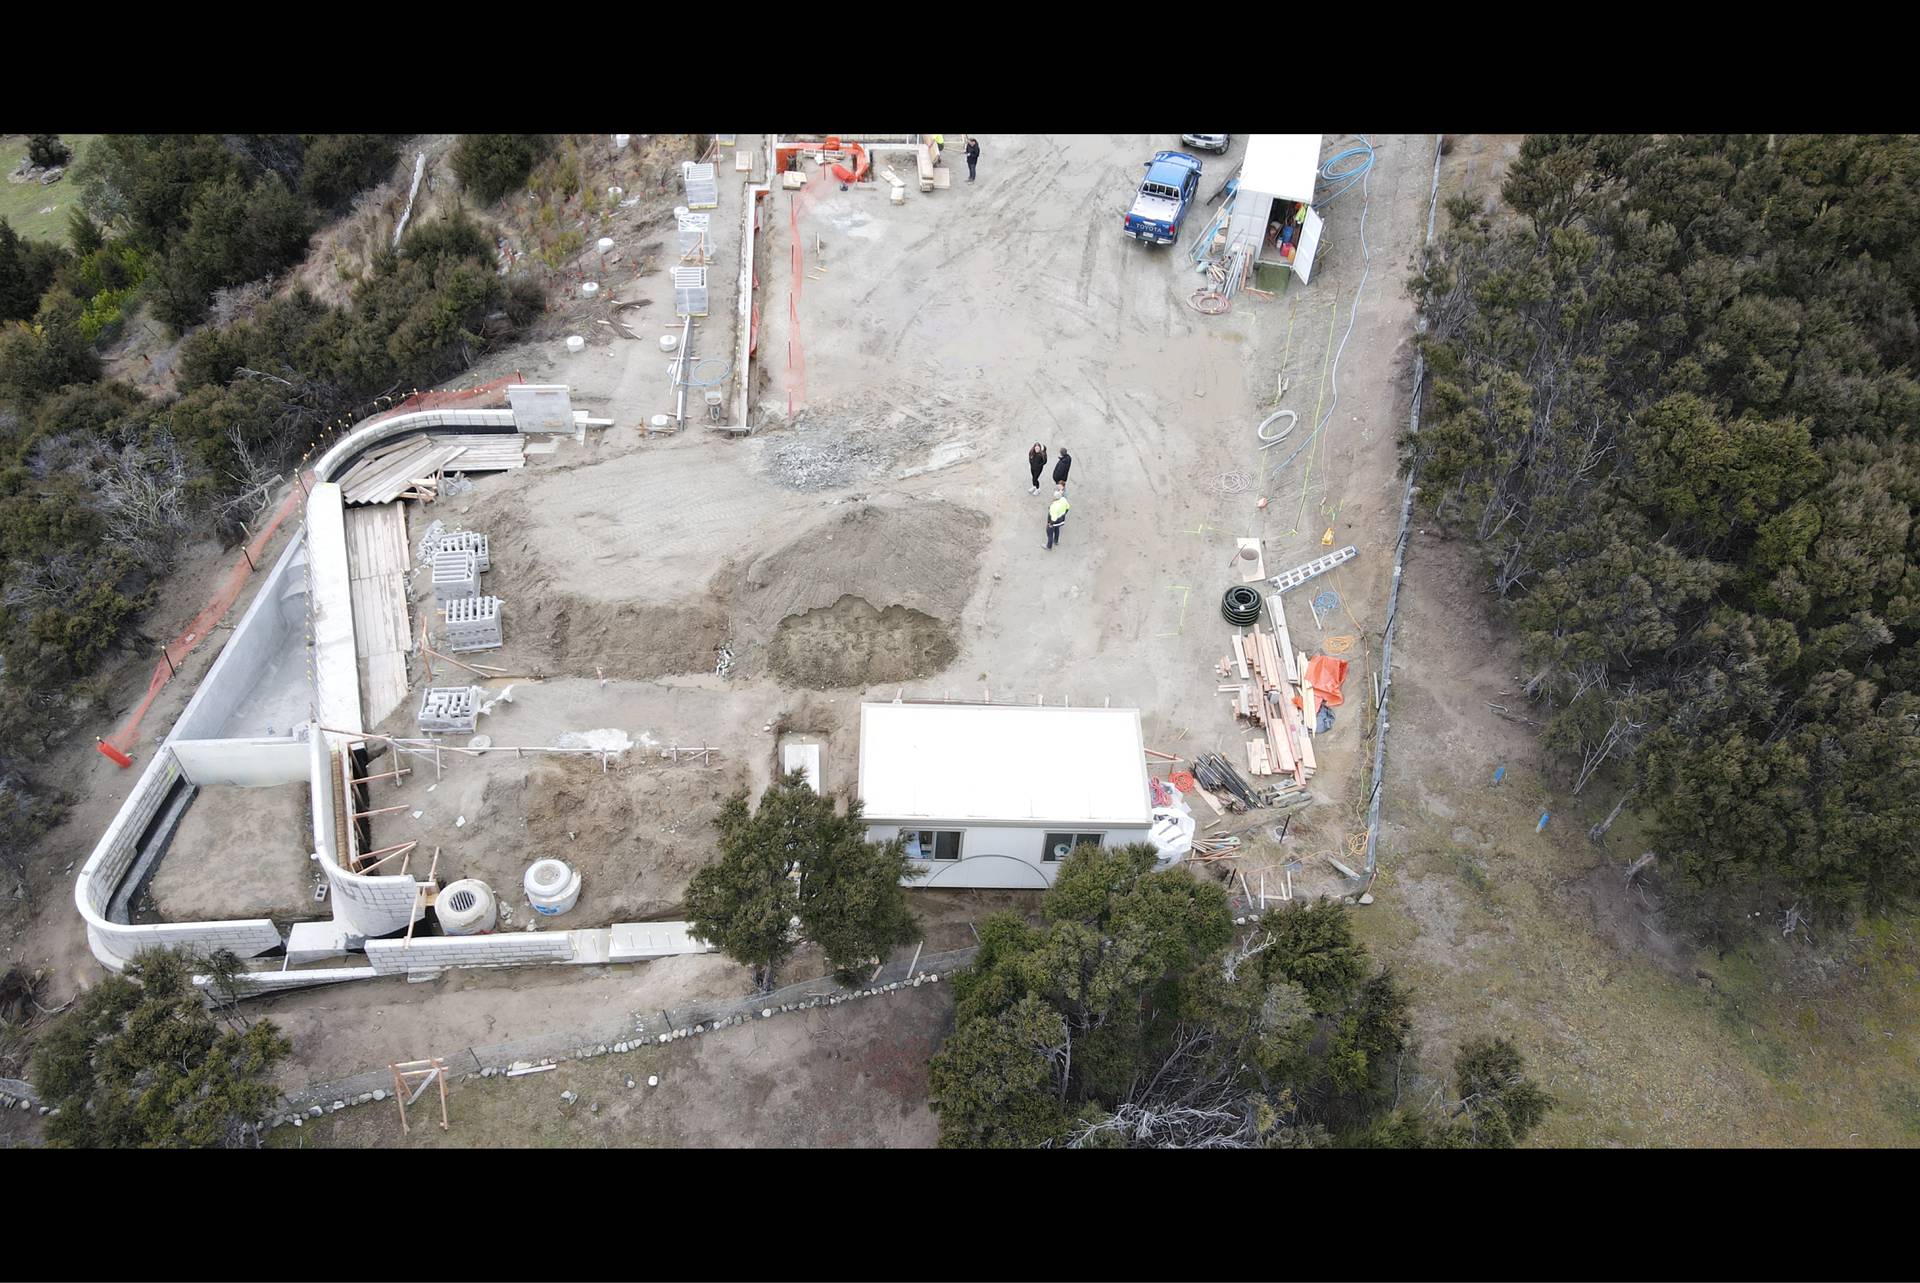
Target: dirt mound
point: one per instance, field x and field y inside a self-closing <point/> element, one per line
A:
<point x="637" y="834"/>
<point x="852" y="644"/>
<point x="566" y="633"/>
<point x="924" y="556"/>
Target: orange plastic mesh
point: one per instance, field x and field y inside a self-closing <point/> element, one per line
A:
<point x="251" y="558"/>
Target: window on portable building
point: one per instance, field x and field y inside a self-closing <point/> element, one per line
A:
<point x="932" y="844"/>
<point x="1058" y="846"/>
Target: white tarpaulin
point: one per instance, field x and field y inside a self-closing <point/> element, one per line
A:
<point x="1284" y="166"/>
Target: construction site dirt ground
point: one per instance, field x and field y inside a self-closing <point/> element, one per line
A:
<point x="853" y="1075"/>
<point x="882" y="538"/>
<point x="238" y="853"/>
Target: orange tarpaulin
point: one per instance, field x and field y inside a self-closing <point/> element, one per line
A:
<point x="1325" y="673"/>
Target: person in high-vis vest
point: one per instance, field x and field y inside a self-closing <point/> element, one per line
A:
<point x="1056" y="517"/>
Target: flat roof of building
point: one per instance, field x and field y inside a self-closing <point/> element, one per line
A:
<point x="1283" y="165"/>
<point x="1003" y="763"/>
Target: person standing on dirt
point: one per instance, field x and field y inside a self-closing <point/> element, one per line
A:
<point x="973" y="155"/>
<point x="1036" y="460"/>
<point x="1056" y="517"/>
<point x="1061" y="469"/>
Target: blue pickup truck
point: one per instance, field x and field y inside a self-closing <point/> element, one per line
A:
<point x="1172" y="181"/>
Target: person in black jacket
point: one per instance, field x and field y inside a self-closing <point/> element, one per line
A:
<point x="1036" y="460"/>
<point x="1060" y="469"/>
<point x="973" y="156"/>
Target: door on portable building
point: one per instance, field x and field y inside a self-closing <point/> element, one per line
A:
<point x="1309" y="243"/>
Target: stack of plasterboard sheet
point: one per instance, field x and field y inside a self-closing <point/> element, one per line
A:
<point x="382" y="475"/>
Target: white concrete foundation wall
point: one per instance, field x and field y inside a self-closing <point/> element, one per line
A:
<point x="396" y="957"/>
<point x="117" y="847"/>
<point x="375" y="904"/>
<point x="998" y="855"/>
<point x="250" y="763"/>
<point x="263" y="984"/>
<point x="264" y="633"/>
<point x="115" y="943"/>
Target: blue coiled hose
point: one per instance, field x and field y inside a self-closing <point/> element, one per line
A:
<point x="1330" y="173"/>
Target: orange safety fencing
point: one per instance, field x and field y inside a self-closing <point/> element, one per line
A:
<point x="452" y="396"/>
<point x="252" y="554"/>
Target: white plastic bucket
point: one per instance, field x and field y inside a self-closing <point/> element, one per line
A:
<point x="604" y="244"/>
<point x="620" y="141"/>
<point x="589" y="289"/>
<point x="551" y="887"/>
<point x="575" y="343"/>
<point x="668" y="342"/>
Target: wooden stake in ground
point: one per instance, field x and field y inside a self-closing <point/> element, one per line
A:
<point x="426" y="1073"/>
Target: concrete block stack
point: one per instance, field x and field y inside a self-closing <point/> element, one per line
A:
<point x="449" y="708"/>
<point x="703" y="189"/>
<point x="467" y="541"/>
<point x="689" y="291"/>
<point x="692" y="237"/>
<point x="456" y="573"/>
<point x="473" y="623"/>
<point x="458" y="557"/>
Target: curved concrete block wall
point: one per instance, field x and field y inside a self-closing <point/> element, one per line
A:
<point x="115" y="943"/>
<point x="335" y="462"/>
<point x="367" y="905"/>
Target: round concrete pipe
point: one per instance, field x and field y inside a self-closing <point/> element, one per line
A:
<point x="467" y="908"/>
<point x="552" y="888"/>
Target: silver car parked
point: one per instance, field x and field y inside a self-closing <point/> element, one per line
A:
<point x="1208" y="142"/>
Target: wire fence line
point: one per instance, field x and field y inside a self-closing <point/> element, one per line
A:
<point x="1399" y="552"/>
<point x="634" y="1031"/>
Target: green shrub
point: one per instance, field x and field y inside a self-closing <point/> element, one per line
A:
<point x="47" y="150"/>
<point x="491" y="165"/>
<point x="338" y="167"/>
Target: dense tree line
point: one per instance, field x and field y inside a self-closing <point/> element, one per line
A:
<point x="1673" y="398"/>
<point x="1138" y="1016"/>
<point x="214" y="211"/>
<point x="98" y="482"/>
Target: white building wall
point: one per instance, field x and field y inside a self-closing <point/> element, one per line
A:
<point x="997" y="855"/>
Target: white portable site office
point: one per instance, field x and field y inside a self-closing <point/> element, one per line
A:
<point x="1276" y="192"/>
<point x="995" y="795"/>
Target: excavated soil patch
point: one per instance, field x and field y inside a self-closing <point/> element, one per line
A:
<point x="850" y="643"/>
<point x="239" y="853"/>
<point x="567" y="633"/>
<point x="637" y="833"/>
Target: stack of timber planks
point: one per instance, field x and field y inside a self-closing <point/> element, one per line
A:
<point x="410" y="467"/>
<point x="1267" y="675"/>
<point x="407" y="469"/>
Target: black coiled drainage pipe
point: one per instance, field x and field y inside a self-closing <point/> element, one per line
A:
<point x="1240" y="606"/>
